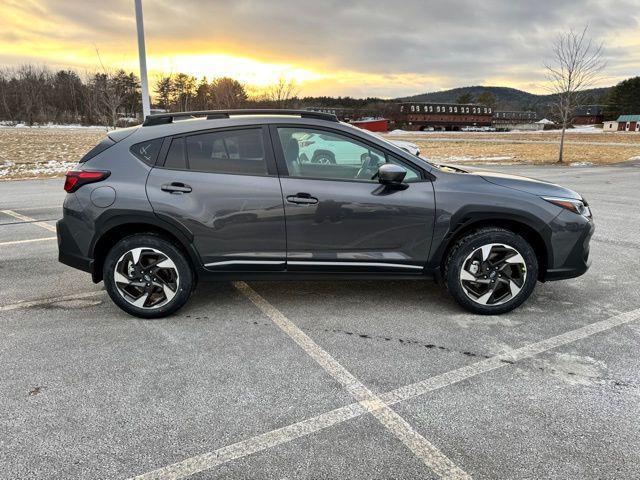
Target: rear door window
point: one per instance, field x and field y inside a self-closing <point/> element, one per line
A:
<point x="175" y="156"/>
<point x="230" y="151"/>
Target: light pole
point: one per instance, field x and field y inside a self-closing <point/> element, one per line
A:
<point x="146" y="107"/>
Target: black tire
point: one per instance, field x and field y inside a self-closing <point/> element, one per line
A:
<point x="324" y="157"/>
<point x="185" y="283"/>
<point x="470" y="243"/>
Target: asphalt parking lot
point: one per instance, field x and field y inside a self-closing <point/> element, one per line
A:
<point x="295" y="380"/>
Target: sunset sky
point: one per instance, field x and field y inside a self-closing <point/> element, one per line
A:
<point x="358" y="48"/>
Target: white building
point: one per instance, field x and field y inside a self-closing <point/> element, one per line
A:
<point x="610" y="126"/>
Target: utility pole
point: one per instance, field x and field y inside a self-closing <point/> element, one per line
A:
<point x="146" y="107"/>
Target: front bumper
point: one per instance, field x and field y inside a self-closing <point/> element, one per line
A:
<point x="570" y="244"/>
<point x="69" y="252"/>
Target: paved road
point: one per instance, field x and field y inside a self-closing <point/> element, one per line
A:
<point x="551" y="390"/>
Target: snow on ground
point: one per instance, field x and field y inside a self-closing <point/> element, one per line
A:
<point x="473" y="159"/>
<point x="10" y="170"/>
<point x="581" y="164"/>
<point x="72" y="126"/>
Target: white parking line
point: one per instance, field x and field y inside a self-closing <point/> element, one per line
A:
<point x="31" y="240"/>
<point x="493" y="363"/>
<point x="47" y="301"/>
<point x="420" y="446"/>
<point x="255" y="444"/>
<point x="33" y="221"/>
<point x="309" y="426"/>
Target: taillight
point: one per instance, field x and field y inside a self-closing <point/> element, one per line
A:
<point x="77" y="178"/>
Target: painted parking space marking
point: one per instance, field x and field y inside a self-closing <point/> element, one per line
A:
<point x="255" y="444"/>
<point x="30" y="240"/>
<point x="312" y="425"/>
<point x="433" y="458"/>
<point x="33" y="221"/>
<point x="449" y="378"/>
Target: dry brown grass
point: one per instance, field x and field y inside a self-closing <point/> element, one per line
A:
<point x="531" y="148"/>
<point x="31" y="145"/>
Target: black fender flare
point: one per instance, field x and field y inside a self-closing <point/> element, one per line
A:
<point x="471" y="216"/>
<point x="117" y="218"/>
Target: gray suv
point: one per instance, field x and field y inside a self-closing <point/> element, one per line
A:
<point x="224" y="195"/>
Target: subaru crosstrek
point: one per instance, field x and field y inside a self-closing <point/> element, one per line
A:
<point x="225" y="195"/>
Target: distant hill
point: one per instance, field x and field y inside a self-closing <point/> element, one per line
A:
<point x="506" y="98"/>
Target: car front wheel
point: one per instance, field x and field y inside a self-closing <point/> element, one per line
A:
<point x="491" y="271"/>
<point x="147" y="276"/>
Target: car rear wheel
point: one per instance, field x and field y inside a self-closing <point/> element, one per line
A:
<point x="147" y="276"/>
<point x="324" y="158"/>
<point x="491" y="271"/>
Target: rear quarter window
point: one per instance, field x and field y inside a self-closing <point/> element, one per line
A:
<point x="147" y="151"/>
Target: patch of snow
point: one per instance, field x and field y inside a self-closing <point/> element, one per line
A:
<point x="37" y="169"/>
<point x="70" y="126"/>
<point x="585" y="129"/>
<point x="581" y="164"/>
<point x="465" y="158"/>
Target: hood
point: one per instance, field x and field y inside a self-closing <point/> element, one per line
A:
<point x="407" y="146"/>
<point x="529" y="185"/>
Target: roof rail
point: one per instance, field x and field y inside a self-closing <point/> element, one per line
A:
<point x="164" y="118"/>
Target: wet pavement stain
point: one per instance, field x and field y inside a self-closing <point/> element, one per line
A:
<point x="403" y="341"/>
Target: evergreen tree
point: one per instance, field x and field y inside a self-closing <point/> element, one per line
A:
<point x="623" y="99"/>
<point x="487" y="99"/>
<point x="465" y="98"/>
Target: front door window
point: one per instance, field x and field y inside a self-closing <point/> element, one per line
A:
<point x="320" y="154"/>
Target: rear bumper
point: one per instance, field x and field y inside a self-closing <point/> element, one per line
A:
<point x="572" y="244"/>
<point x="69" y="252"/>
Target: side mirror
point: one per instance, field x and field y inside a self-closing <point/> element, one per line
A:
<point x="390" y="174"/>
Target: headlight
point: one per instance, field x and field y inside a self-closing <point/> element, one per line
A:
<point x="581" y="207"/>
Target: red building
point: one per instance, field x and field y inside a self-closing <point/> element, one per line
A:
<point x="372" y="124"/>
<point x="588" y="115"/>
<point x="444" y="116"/>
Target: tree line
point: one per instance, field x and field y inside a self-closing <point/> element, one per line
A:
<point x="34" y="94"/>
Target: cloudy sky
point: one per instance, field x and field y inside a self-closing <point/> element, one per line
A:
<point x="347" y="47"/>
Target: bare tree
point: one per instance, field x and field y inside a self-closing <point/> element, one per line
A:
<point x="112" y="91"/>
<point x="5" y="92"/>
<point x="577" y="65"/>
<point x="282" y="92"/>
<point x="33" y="81"/>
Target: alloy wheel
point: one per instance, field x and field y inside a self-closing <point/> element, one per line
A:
<point x="146" y="278"/>
<point x="493" y="274"/>
<point x="322" y="160"/>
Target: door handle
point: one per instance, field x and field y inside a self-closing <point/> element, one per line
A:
<point x="175" y="187"/>
<point x="302" y="199"/>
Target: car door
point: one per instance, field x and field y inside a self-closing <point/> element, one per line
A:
<point x="339" y="218"/>
<point x="222" y="186"/>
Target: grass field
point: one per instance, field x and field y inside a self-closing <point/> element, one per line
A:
<point x="50" y="151"/>
<point x="524" y="148"/>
